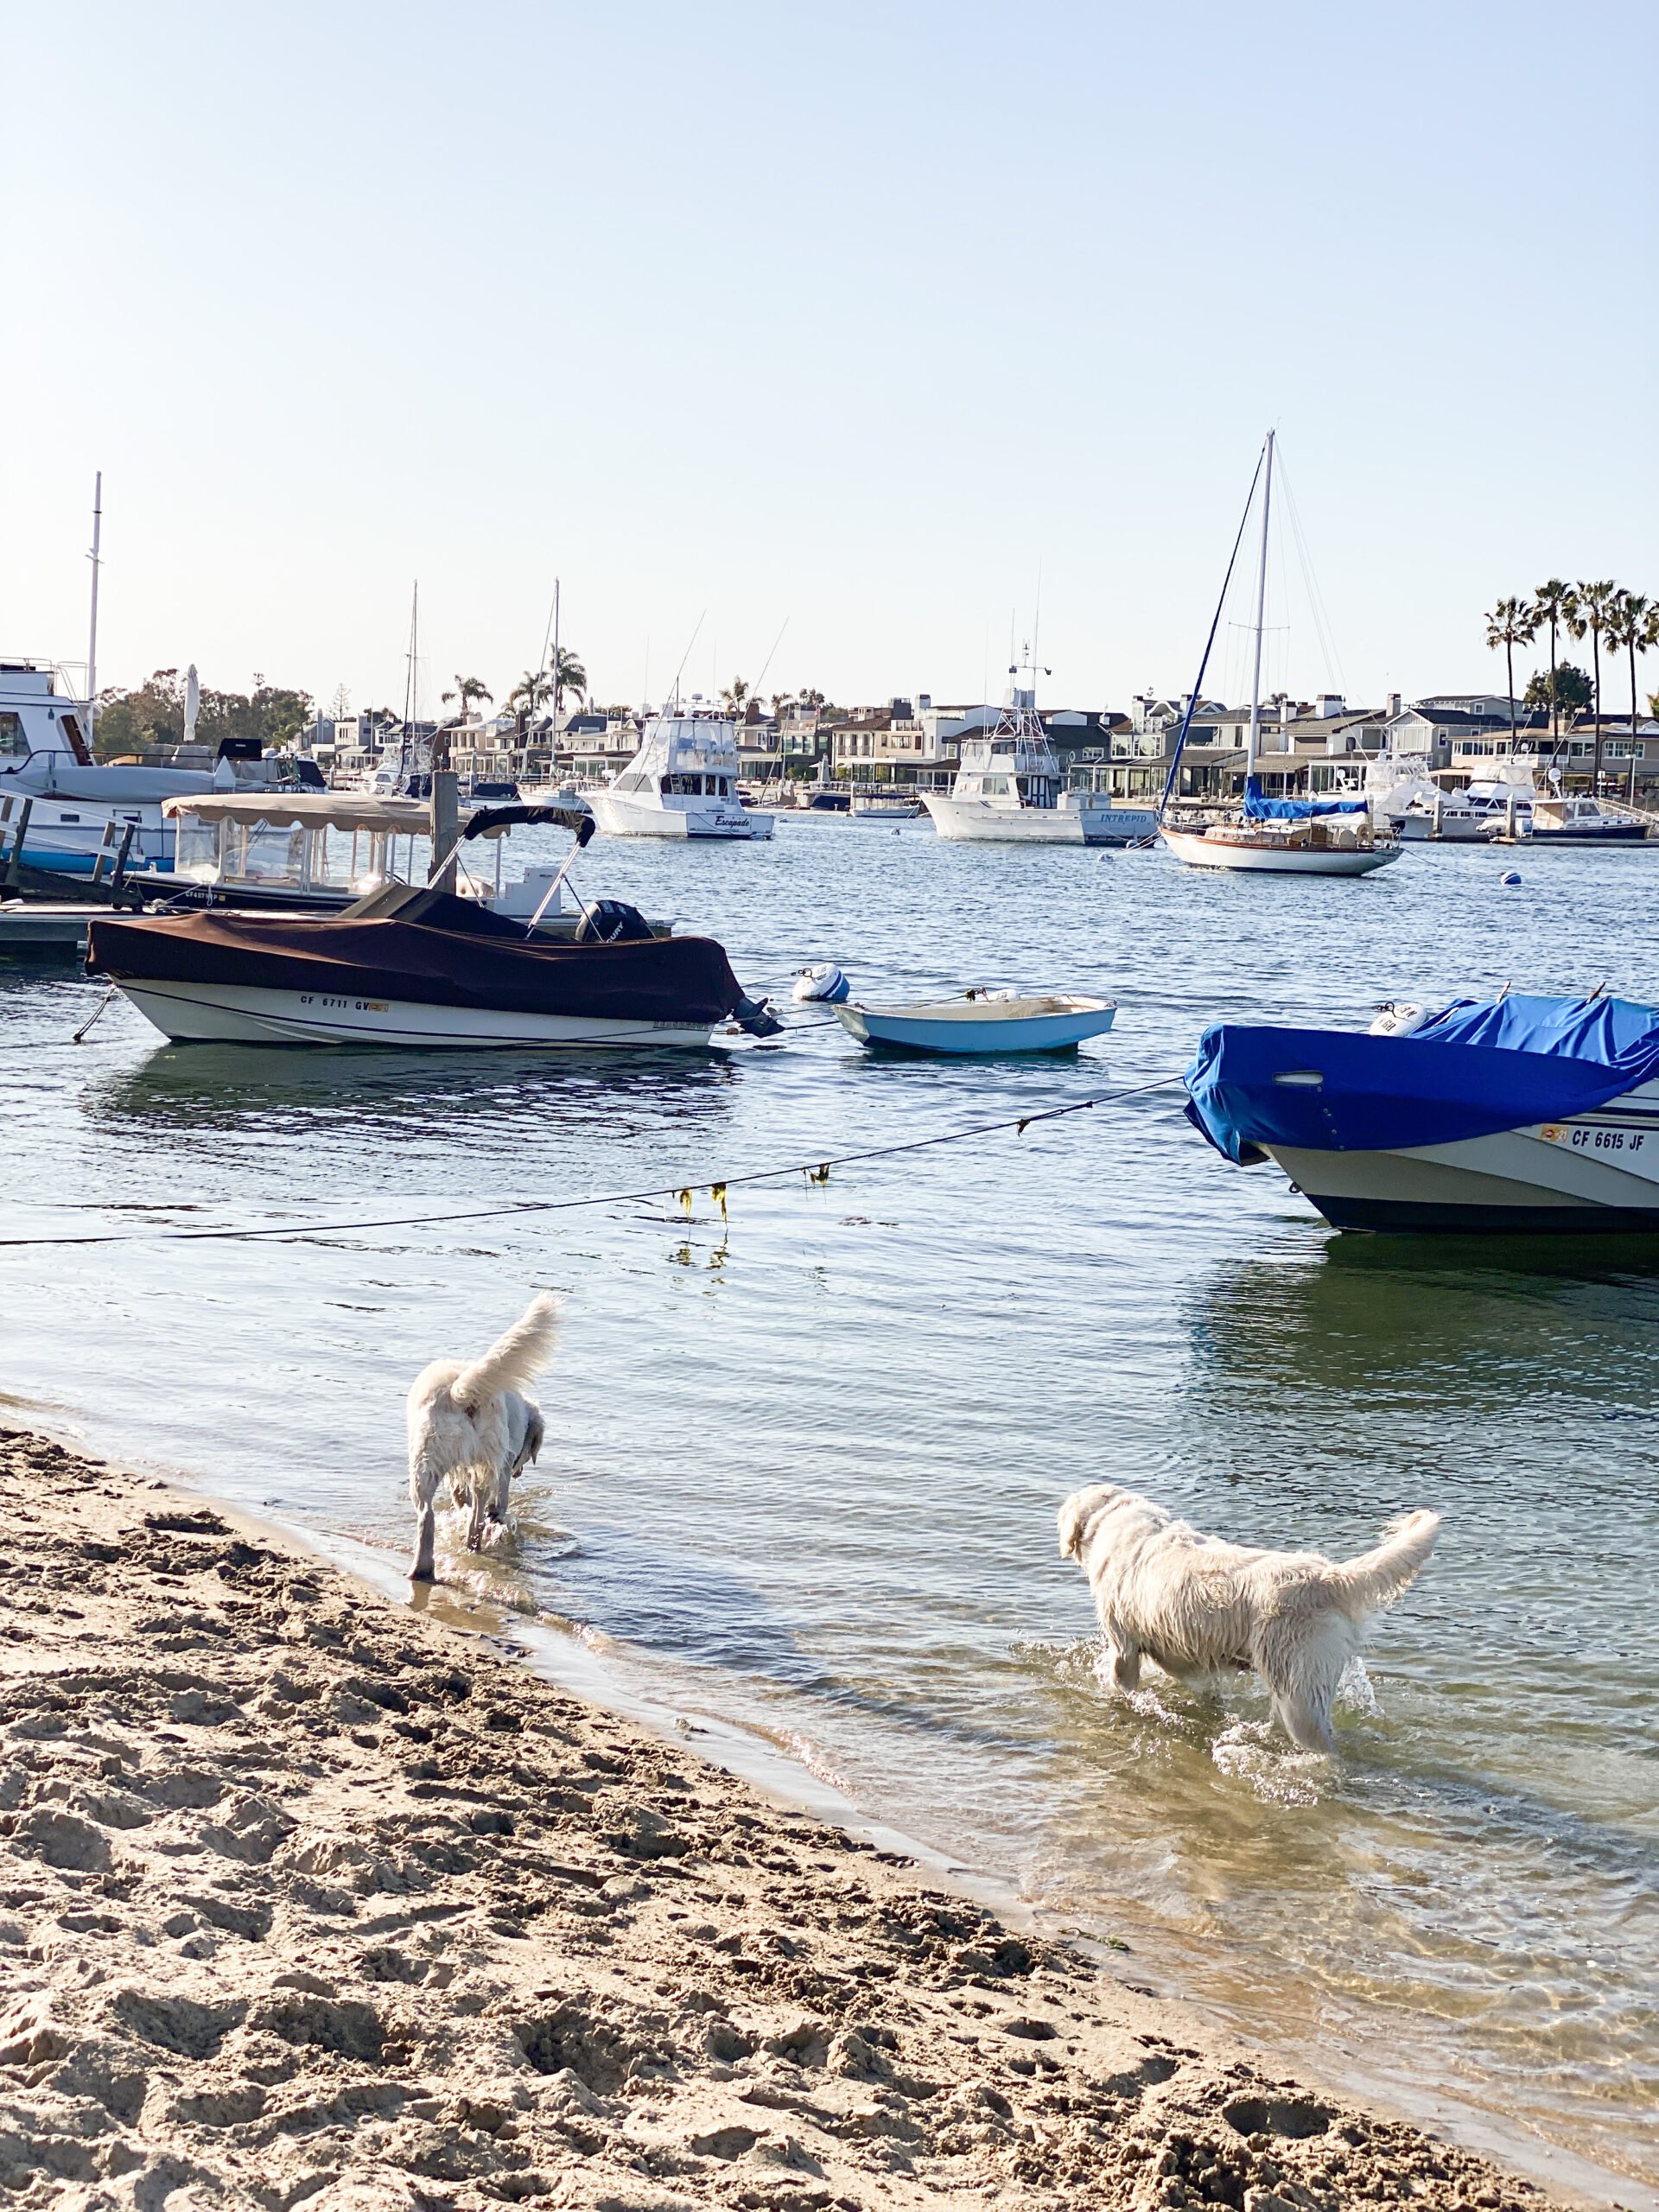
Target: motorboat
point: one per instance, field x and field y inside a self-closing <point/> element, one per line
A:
<point x="1054" y="1021"/>
<point x="419" y="967"/>
<point x="681" y="783"/>
<point x="1271" y="836"/>
<point x="878" y="810"/>
<point x="1583" y="822"/>
<point x="1521" y="1113"/>
<point x="1008" y="789"/>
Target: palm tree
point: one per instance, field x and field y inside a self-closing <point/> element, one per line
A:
<point x="735" y="697"/>
<point x="530" y="695"/>
<point x="467" y="691"/>
<point x="1587" y="613"/>
<point x="1512" y="622"/>
<point x="1632" y="626"/>
<point x="1549" y="604"/>
<point x="566" y="673"/>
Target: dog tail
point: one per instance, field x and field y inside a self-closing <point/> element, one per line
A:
<point x="1376" y="1578"/>
<point x="514" y="1359"/>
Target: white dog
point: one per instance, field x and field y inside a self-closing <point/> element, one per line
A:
<point x="475" y="1427"/>
<point x="1193" y="1604"/>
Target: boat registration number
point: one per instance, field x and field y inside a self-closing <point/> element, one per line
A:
<point x="344" y="1006"/>
<point x="1590" y="1139"/>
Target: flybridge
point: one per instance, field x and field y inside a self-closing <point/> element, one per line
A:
<point x="34" y="718"/>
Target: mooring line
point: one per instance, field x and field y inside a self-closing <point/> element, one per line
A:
<point x="816" y="1170"/>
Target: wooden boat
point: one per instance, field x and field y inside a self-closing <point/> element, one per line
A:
<point x="1054" y="1021"/>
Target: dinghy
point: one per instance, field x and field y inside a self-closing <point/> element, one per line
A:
<point x="1053" y="1022"/>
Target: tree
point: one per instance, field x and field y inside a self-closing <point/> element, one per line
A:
<point x="1564" y="688"/>
<point x="469" y="690"/>
<point x="566" y="673"/>
<point x="142" y="721"/>
<point x="1549" y="603"/>
<point x="736" y="698"/>
<point x="811" y="699"/>
<point x="152" y="717"/>
<point x="530" y="695"/>
<point x="1512" y="622"/>
<point x="1587" y="613"/>
<point x="340" y="706"/>
<point x="1632" y="628"/>
<point x="781" y="701"/>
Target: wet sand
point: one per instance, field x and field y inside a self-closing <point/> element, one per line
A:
<point x="307" y="1899"/>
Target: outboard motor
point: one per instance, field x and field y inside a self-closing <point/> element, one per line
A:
<point x="611" y="921"/>
<point x="757" y="1018"/>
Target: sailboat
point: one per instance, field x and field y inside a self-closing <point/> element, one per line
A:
<point x="1273" y="836"/>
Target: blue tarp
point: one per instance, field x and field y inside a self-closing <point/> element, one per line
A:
<point x="1258" y="807"/>
<point x="1475" y="1068"/>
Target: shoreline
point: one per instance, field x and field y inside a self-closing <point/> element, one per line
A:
<point x="305" y="1894"/>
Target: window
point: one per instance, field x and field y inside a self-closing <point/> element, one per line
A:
<point x="12" y="733"/>
<point x="77" y="743"/>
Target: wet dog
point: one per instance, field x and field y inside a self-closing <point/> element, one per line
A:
<point x="475" y="1427"/>
<point x="1195" y="1604"/>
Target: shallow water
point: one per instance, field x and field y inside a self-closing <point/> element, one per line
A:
<point x="804" y="1458"/>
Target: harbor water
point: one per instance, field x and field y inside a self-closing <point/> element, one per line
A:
<point x="805" y="1445"/>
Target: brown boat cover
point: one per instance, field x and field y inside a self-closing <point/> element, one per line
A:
<point x="456" y="954"/>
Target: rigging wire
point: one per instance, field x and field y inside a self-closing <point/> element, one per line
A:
<point x="1316" y="607"/>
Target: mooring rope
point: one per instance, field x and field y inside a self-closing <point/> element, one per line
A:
<point x="816" y="1170"/>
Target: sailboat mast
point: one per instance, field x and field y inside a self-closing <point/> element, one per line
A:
<point x="92" y="635"/>
<point x="1261" y="610"/>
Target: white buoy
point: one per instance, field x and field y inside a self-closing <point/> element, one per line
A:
<point x="1510" y="875"/>
<point x="824" y="985"/>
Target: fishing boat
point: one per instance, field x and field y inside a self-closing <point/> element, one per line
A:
<point x="1054" y="1021"/>
<point x="681" y="783"/>
<point x="1517" y="1113"/>
<point x="1008" y="788"/>
<point x="1271" y="836"/>
<point x="418" y="966"/>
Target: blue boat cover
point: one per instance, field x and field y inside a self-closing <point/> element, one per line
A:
<point x="1513" y="1062"/>
<point x="1258" y="807"/>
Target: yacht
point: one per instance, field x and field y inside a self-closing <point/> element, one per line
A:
<point x="1583" y="822"/>
<point x="1008" y="789"/>
<point x="681" y="783"/>
<point x="66" y="805"/>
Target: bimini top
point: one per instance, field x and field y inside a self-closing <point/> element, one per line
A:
<point x="1258" y="807"/>
<point x="1476" y="1067"/>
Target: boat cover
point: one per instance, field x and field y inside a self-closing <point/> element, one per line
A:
<point x="455" y="954"/>
<point x="1258" y="807"/>
<point x="1475" y="1068"/>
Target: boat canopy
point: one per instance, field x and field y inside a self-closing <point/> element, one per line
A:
<point x="1258" y="807"/>
<point x="359" y="810"/>
<point x="1477" y="1067"/>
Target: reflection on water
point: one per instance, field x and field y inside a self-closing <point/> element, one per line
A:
<point x="805" y="1454"/>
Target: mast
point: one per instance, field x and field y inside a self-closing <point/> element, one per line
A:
<point x="1260" y="609"/>
<point x="555" y="664"/>
<point x="92" y="636"/>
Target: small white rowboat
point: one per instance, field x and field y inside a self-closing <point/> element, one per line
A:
<point x="1052" y="1023"/>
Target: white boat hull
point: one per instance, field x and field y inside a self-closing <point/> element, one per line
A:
<point x="1598" y="1174"/>
<point x="644" y="818"/>
<point x="1276" y="859"/>
<point x="984" y="1027"/>
<point x="191" y="1013"/>
<point x="976" y="821"/>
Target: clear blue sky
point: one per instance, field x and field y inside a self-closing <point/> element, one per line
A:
<point x="852" y="316"/>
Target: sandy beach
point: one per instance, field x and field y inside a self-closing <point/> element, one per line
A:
<point x="308" y="1899"/>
